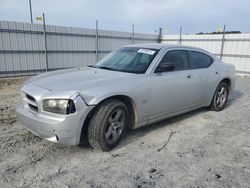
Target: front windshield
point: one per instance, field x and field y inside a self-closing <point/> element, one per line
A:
<point x="128" y="59"/>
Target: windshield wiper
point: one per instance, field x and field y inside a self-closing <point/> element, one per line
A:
<point x="102" y="67"/>
<point x="110" y="68"/>
<point x="107" y="68"/>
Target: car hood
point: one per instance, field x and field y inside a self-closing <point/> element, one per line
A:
<point x="77" y="79"/>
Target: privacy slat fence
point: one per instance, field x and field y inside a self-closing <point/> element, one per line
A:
<point x="22" y="46"/>
<point x="236" y="48"/>
<point x="23" y="52"/>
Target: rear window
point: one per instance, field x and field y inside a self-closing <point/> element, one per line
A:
<point x="199" y="60"/>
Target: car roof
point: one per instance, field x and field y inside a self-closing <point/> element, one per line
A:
<point x="162" y="45"/>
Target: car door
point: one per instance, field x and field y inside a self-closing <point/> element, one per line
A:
<point x="203" y="74"/>
<point x="172" y="92"/>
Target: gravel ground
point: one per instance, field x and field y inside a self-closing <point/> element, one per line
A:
<point x="198" y="149"/>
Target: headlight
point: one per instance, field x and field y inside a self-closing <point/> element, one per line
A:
<point x="59" y="106"/>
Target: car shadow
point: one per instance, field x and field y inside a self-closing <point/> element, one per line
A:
<point x="233" y="97"/>
<point x="132" y="135"/>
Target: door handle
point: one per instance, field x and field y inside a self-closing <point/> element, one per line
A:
<point x="189" y="76"/>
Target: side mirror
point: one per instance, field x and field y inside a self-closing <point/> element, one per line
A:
<point x="164" y="67"/>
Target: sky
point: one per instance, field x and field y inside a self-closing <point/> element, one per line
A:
<point x="147" y="15"/>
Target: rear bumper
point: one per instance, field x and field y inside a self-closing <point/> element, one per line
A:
<point x="65" y="129"/>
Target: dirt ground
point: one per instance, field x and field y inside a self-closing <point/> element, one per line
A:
<point x="198" y="149"/>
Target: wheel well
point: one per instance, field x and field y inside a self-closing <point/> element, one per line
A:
<point x="125" y="99"/>
<point x="130" y="105"/>
<point x="228" y="82"/>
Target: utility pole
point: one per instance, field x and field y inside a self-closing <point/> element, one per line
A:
<point x="31" y="18"/>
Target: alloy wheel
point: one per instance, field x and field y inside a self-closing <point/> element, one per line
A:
<point x="115" y="126"/>
<point x="221" y="96"/>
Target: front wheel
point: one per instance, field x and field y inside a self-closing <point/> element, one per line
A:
<point x="108" y="124"/>
<point x="220" y="97"/>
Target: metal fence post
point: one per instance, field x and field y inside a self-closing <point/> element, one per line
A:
<point x="96" y="40"/>
<point x="45" y="44"/>
<point x="222" y="42"/>
<point x="180" y="39"/>
<point x="133" y="34"/>
<point x="160" y="35"/>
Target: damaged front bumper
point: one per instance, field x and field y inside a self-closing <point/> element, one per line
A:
<point x="65" y="129"/>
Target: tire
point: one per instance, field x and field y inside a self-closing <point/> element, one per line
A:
<point x="220" y="97"/>
<point x="108" y="125"/>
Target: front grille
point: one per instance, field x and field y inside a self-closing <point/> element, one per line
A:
<point x="30" y="98"/>
<point x="32" y="107"/>
<point x="30" y="102"/>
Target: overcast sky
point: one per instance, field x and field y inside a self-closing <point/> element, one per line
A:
<point x="146" y="15"/>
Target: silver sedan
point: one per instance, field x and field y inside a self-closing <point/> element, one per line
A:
<point x="132" y="87"/>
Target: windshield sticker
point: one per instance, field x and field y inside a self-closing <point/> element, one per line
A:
<point x="146" y="51"/>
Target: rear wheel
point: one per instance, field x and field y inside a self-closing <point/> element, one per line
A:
<point x="108" y="125"/>
<point x="220" y="97"/>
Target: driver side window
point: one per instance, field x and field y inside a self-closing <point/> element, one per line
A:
<point x="178" y="58"/>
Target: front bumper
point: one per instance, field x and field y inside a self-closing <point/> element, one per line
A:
<point x="64" y="129"/>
